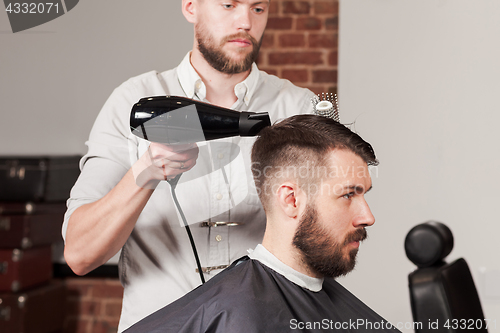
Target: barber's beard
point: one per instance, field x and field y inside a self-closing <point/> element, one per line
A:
<point x="320" y="251"/>
<point x="218" y="59"/>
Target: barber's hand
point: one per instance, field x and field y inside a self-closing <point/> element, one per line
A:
<point x="162" y="162"/>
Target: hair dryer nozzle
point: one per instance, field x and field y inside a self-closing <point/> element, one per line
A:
<point x="252" y="123"/>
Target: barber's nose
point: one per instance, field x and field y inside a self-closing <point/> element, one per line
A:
<point x="244" y="20"/>
<point x="365" y="217"/>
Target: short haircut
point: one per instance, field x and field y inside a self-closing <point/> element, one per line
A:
<point x="301" y="141"/>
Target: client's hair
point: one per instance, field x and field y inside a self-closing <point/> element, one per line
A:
<point x="300" y="145"/>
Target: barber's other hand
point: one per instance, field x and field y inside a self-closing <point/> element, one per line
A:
<point x="162" y="162"/>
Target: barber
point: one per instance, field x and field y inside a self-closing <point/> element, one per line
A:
<point x="121" y="200"/>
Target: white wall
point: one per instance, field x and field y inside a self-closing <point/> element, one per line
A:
<point x="55" y="78"/>
<point x="422" y="81"/>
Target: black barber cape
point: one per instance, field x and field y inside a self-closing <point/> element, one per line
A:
<point x="250" y="297"/>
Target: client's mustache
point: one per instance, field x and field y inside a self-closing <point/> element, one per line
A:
<point x="356" y="236"/>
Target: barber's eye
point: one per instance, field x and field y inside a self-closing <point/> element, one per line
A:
<point x="227" y="6"/>
<point x="258" y="10"/>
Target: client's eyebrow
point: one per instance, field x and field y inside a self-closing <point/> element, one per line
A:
<point x="357" y="188"/>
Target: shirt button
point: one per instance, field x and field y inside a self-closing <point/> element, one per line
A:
<point x="220" y="156"/>
<point x="246" y="99"/>
<point x="198" y="85"/>
<point x="218" y="196"/>
<point x="218" y="238"/>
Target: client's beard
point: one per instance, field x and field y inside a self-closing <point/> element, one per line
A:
<point x="320" y="251"/>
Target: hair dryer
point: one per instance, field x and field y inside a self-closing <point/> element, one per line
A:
<point x="179" y="120"/>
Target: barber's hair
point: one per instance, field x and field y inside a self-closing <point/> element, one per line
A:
<point x="301" y="142"/>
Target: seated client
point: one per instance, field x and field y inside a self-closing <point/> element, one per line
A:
<point x="312" y="174"/>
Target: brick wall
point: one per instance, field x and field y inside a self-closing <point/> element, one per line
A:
<point x="93" y="305"/>
<point x="300" y="43"/>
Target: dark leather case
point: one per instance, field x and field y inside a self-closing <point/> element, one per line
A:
<point x="39" y="310"/>
<point x="38" y="178"/>
<point x="24" y="269"/>
<point x="26" y="225"/>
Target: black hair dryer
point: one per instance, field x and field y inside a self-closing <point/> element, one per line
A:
<point x="179" y="120"/>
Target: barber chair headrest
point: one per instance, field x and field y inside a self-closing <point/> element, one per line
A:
<point x="428" y="243"/>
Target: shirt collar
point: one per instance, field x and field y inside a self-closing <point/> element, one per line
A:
<point x="267" y="258"/>
<point x="193" y="86"/>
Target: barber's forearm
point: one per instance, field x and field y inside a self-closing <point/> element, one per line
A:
<point x="98" y="230"/>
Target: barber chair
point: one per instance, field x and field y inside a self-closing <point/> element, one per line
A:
<point x="443" y="295"/>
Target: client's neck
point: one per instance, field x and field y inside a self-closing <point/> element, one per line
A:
<point x="280" y="245"/>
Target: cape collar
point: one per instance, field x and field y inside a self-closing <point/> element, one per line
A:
<point x="267" y="258"/>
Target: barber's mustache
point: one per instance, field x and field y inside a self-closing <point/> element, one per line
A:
<point x="240" y="34"/>
<point x="356" y="236"/>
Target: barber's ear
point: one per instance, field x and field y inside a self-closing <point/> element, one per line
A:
<point x="189" y="10"/>
<point x="290" y="199"/>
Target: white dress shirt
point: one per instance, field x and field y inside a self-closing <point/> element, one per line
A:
<point x="157" y="265"/>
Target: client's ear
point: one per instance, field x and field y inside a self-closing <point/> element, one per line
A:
<point x="290" y="199"/>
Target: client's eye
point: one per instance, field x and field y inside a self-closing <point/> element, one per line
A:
<point x="348" y="195"/>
